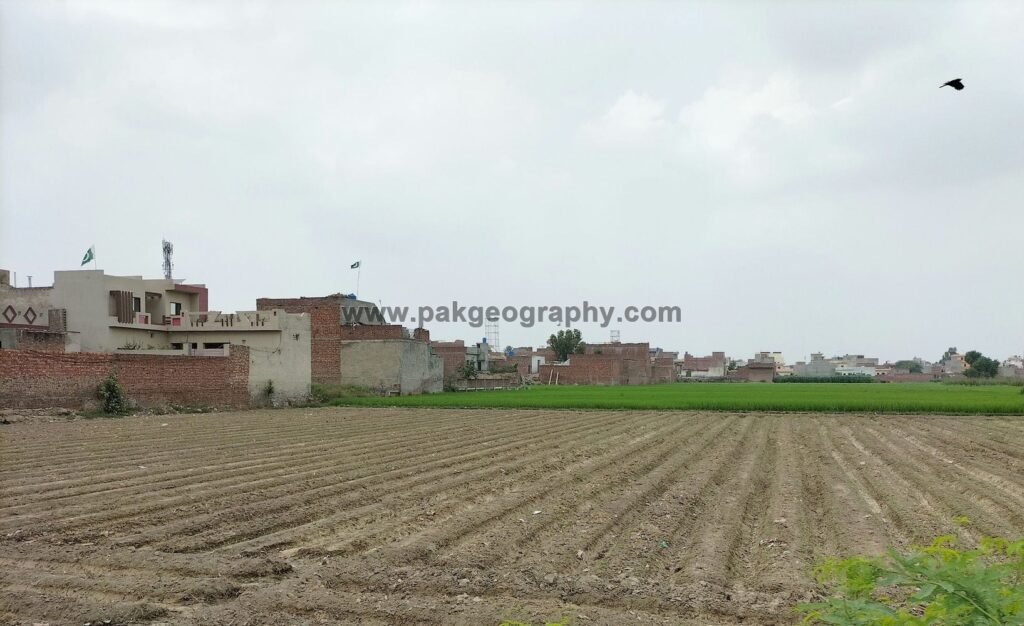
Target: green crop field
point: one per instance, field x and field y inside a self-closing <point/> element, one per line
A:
<point x="826" y="397"/>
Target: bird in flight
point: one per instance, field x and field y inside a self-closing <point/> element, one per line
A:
<point x="956" y="83"/>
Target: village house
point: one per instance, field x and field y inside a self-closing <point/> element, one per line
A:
<point x="385" y="357"/>
<point x="714" y="366"/>
<point x="89" y="311"/>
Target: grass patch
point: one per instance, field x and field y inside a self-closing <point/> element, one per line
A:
<point x="328" y="394"/>
<point x="817" y="397"/>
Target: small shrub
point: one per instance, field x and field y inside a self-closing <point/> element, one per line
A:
<point x="268" y="389"/>
<point x="112" y="395"/>
<point x="467" y="371"/>
<point x="934" y="585"/>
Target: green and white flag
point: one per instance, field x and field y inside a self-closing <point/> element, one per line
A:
<point x="90" y="254"/>
<point x="356" y="265"/>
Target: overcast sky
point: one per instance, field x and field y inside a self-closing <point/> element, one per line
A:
<point x="789" y="174"/>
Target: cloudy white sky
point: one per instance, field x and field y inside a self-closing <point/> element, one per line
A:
<point x="788" y="173"/>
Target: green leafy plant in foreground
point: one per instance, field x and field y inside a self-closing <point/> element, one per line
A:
<point x="112" y="396"/>
<point x="933" y="585"/>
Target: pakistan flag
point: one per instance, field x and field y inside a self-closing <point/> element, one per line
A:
<point x="90" y="254"/>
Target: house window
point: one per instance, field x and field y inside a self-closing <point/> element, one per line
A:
<point x="213" y="346"/>
<point x="175" y="308"/>
<point x="137" y="304"/>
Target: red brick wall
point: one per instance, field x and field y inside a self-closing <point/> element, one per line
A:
<point x="585" y="369"/>
<point x="755" y="373"/>
<point x="663" y="369"/>
<point x="522" y="364"/>
<point x="43" y="341"/>
<point x="34" y="379"/>
<point x="717" y="359"/>
<point x="636" y="371"/>
<point x="382" y="331"/>
<point x="325" y="331"/>
<point x="452" y="355"/>
<point x="625" y="350"/>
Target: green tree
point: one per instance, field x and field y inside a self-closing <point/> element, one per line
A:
<point x="911" y="366"/>
<point x="566" y="342"/>
<point x="980" y="366"/>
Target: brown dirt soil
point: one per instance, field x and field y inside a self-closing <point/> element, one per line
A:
<point x="407" y="516"/>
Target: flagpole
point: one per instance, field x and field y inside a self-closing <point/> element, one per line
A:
<point x="359" y="272"/>
<point x="94" y="266"/>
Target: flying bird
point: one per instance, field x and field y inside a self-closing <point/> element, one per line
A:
<point x="956" y="83"/>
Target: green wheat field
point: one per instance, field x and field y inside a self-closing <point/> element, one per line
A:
<point x="821" y="397"/>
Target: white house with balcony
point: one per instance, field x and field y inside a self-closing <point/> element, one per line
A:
<point x="104" y="313"/>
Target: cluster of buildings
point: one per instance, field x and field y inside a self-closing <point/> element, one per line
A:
<point x="767" y="366"/>
<point x="57" y="343"/>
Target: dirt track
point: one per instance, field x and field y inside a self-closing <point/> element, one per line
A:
<point x="413" y="516"/>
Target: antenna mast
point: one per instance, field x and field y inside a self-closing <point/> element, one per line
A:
<point x="168" y="249"/>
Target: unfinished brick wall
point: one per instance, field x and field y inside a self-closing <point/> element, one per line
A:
<point x="328" y="335"/>
<point x="754" y="372"/>
<point x="663" y="369"/>
<point x="381" y="331"/>
<point x="325" y="331"/>
<point x="36" y="379"/>
<point x="453" y="355"/>
<point x="636" y="371"/>
<point x="624" y="350"/>
<point x="522" y="363"/>
<point x="585" y="369"/>
<point x="41" y="340"/>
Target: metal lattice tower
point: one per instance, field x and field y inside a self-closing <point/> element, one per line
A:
<point x="492" y="336"/>
<point x="168" y="249"/>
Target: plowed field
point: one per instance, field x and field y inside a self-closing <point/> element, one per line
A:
<point x="419" y="516"/>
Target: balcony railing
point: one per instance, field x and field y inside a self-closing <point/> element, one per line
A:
<point x="209" y="321"/>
